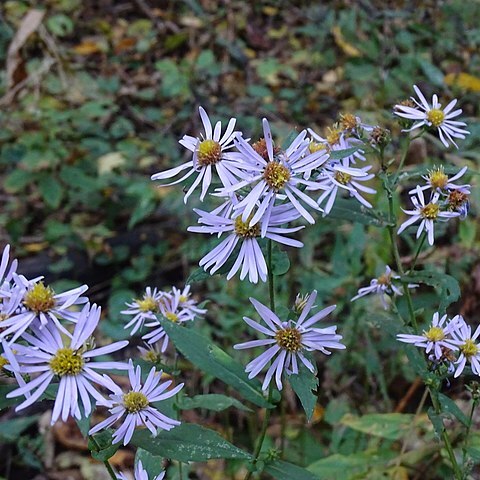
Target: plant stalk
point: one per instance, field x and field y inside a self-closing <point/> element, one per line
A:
<point x="109" y="468"/>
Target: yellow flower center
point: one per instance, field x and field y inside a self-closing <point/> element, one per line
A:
<point x="276" y="175"/>
<point x="182" y="298"/>
<point x="437" y="178"/>
<point x="430" y="211"/>
<point x="242" y="229"/>
<point x="316" y="146"/>
<point x="469" y="348"/>
<point x="39" y="298"/>
<point x="342" y="177"/>
<point x="151" y="356"/>
<point x="148" y="304"/>
<point x="435" y="117"/>
<point x="333" y="135"/>
<point x="66" y="362"/>
<point x="3" y="362"/>
<point x="348" y="121"/>
<point x="173" y="317"/>
<point x="209" y="152"/>
<point x="135" y="401"/>
<point x="289" y="339"/>
<point x="384" y="279"/>
<point x="434" y="334"/>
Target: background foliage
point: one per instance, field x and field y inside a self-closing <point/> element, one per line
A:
<point x="94" y="101"/>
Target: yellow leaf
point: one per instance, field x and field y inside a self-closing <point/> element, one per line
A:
<point x="347" y="48"/>
<point x="87" y="47"/>
<point x="109" y="162"/>
<point x="463" y="80"/>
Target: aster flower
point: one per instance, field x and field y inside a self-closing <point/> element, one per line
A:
<point x="48" y="355"/>
<point x="341" y="176"/>
<point x="143" y="309"/>
<point x="140" y="474"/>
<point x="274" y="175"/>
<point x="427" y="213"/>
<point x="186" y="302"/>
<point x="135" y="405"/>
<point x="287" y="341"/>
<point x="42" y="306"/>
<point x="211" y="150"/>
<point x="432" y="115"/>
<point x="438" y="336"/>
<point x="250" y="256"/>
<point x="467" y="345"/>
<point x="438" y="181"/>
<point x="383" y="287"/>
<point x="171" y="310"/>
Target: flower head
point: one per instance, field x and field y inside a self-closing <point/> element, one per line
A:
<point x="383" y="287"/>
<point x="468" y="346"/>
<point x="71" y="362"/>
<point x="288" y="341"/>
<point x="135" y="406"/>
<point x="433" y="116"/>
<point x="210" y="151"/>
<point x="143" y="309"/>
<point x="437" y="336"/>
<point x="427" y="213"/>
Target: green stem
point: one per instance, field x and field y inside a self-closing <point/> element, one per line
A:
<point x="266" y="418"/>
<point x="109" y="468"/>
<point x="467" y="435"/>
<point x="283" y="426"/>
<point x="451" y="455"/>
<point x="175" y="365"/>
<point x="419" y="248"/>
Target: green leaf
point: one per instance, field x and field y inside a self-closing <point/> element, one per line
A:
<point x="385" y="425"/>
<point x="304" y="385"/>
<point x="188" y="443"/>
<point x="214" y="361"/>
<point x="60" y="25"/>
<point x="213" y="401"/>
<point x="198" y="275"/>
<point x="17" y="180"/>
<point x="101" y="447"/>
<point x="437" y="422"/>
<point x="4" y="401"/>
<point x="346" y="467"/>
<point x="10" y="430"/>
<point x="280" y="261"/>
<point x="448" y="285"/>
<point x="151" y="463"/>
<point x="433" y="73"/>
<point x="353" y="211"/>
<point x="51" y="190"/>
<point x="287" y="471"/>
<point x="449" y="406"/>
<point x="339" y="154"/>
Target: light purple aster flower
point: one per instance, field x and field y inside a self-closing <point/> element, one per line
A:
<point x="41" y="306"/>
<point x="288" y="341"/>
<point x="278" y="174"/>
<point x="209" y="151"/>
<point x="140" y="474"/>
<point x="438" y="181"/>
<point x="427" y="213"/>
<point x="47" y="355"/>
<point x="186" y="302"/>
<point x="144" y="309"/>
<point x="135" y="405"/>
<point x="171" y="310"/>
<point x="383" y="287"/>
<point x="437" y="336"/>
<point x="250" y="256"/>
<point x="467" y="345"/>
<point x="341" y="176"/>
<point x="433" y="116"/>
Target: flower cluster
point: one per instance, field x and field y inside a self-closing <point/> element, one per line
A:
<point x="450" y="341"/>
<point x="174" y="305"/>
<point x="265" y="187"/>
<point x="48" y="344"/>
